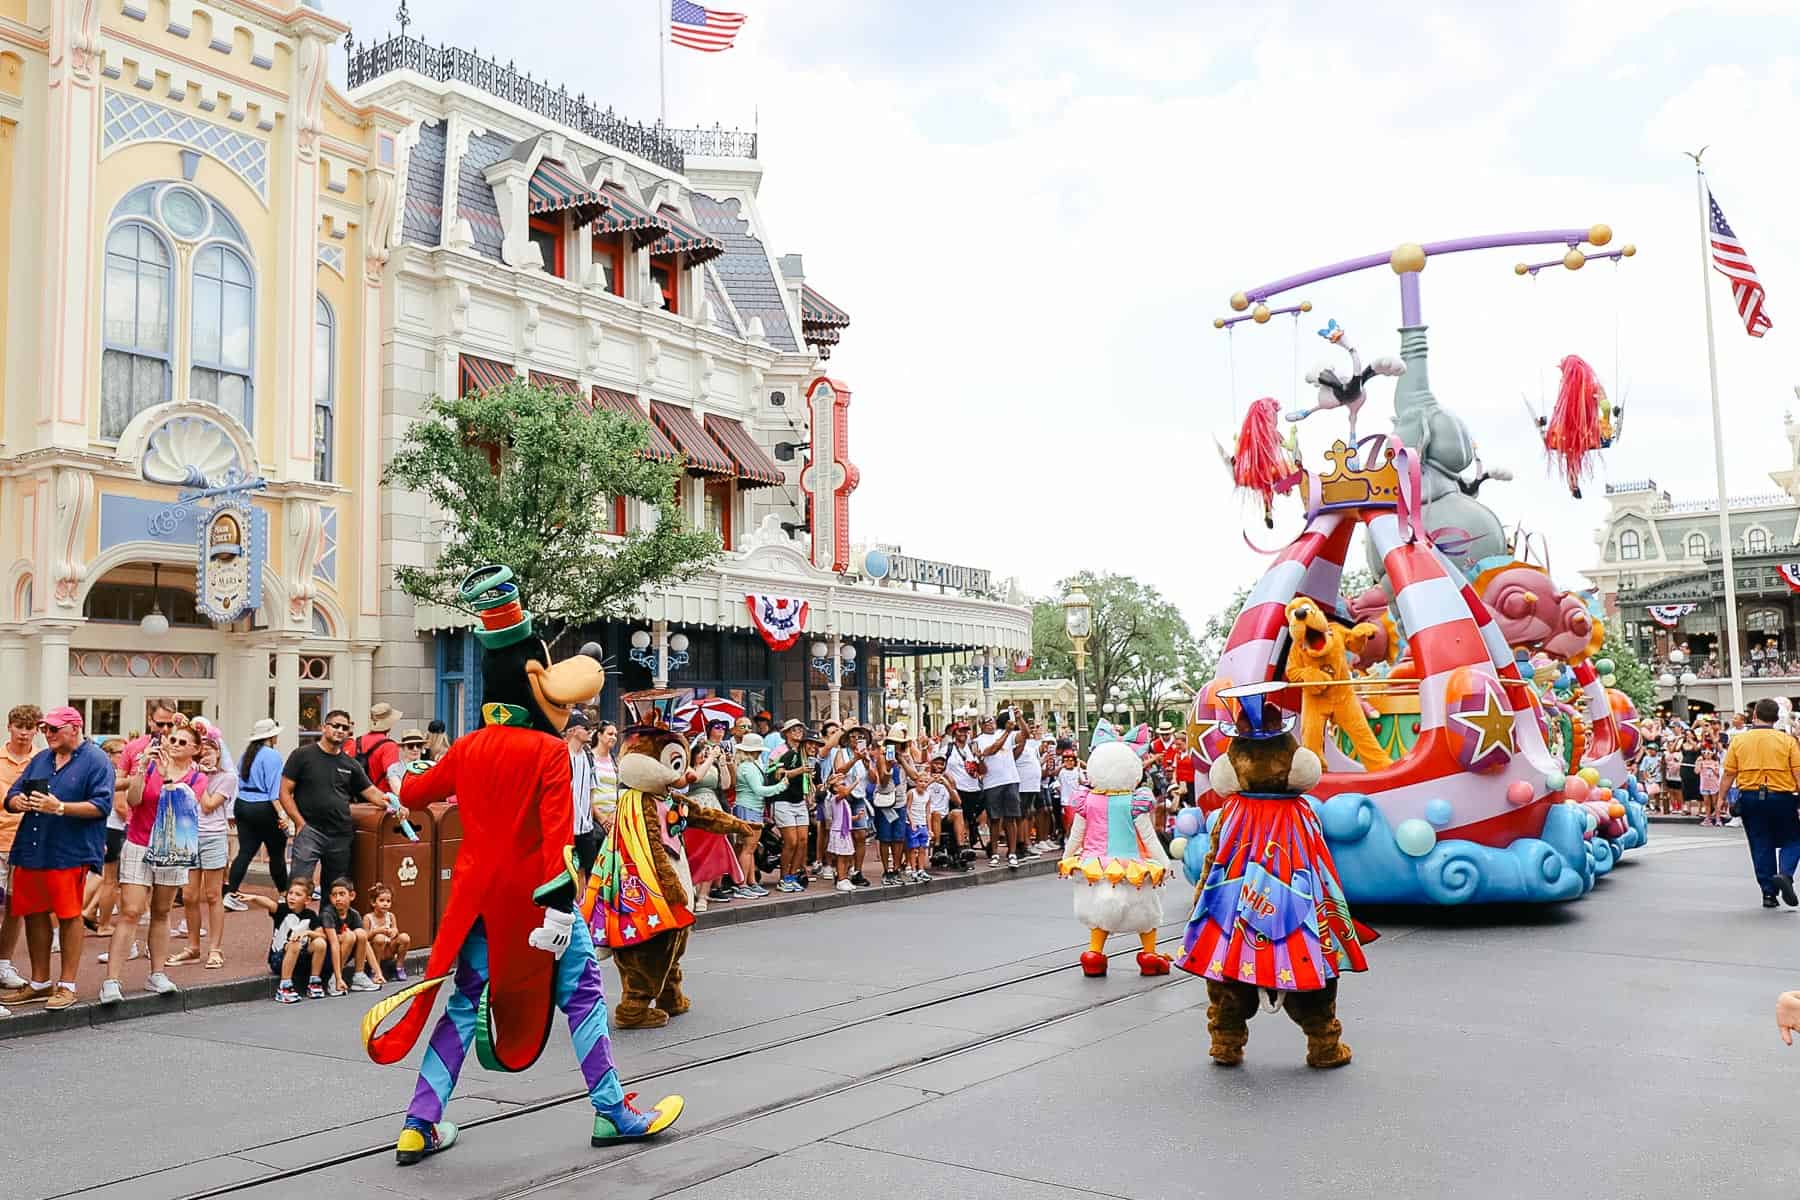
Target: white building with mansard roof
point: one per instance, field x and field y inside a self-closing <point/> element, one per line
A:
<point x="1660" y="572"/>
<point x="537" y="235"/>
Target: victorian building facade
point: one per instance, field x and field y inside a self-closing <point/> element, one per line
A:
<point x="1661" y="575"/>
<point x="540" y="237"/>
<point x="193" y="226"/>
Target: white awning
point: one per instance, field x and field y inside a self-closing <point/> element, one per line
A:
<point x="864" y="612"/>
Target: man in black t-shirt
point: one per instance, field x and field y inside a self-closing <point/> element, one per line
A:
<point x="317" y="785"/>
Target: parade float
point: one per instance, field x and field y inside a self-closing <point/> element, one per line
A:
<point x="1474" y="749"/>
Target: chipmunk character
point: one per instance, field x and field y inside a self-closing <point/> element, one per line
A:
<point x="1319" y="653"/>
<point x="640" y="897"/>
<point x="1269" y="912"/>
<point x="1114" y="856"/>
<point x="509" y="935"/>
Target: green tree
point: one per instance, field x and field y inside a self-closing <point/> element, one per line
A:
<point x="1630" y="675"/>
<point x="526" y="477"/>
<point x="1131" y="618"/>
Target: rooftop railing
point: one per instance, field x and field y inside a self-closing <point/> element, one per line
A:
<point x="370" y="61"/>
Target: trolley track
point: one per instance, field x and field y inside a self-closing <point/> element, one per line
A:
<point x="531" y="1108"/>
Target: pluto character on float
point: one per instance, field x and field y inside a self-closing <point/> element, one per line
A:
<point x="640" y="897"/>
<point x="509" y="932"/>
<point x="1114" y="855"/>
<point x="1270" y="919"/>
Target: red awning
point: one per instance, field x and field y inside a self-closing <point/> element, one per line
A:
<point x="555" y="188"/>
<point x="686" y="238"/>
<point x="556" y="383"/>
<point x="703" y="454"/>
<point x="658" y="448"/>
<point x="625" y="215"/>
<point x="754" y="466"/>
<point x="482" y="374"/>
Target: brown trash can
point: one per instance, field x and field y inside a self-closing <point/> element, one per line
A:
<point x="448" y="830"/>
<point x="381" y="853"/>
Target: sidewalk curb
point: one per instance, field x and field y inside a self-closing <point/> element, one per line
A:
<point x="89" y="1013"/>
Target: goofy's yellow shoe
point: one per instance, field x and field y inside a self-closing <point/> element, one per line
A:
<point x="421" y="1140"/>
<point x="622" y="1122"/>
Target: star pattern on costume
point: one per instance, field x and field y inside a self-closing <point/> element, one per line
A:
<point x="1216" y="967"/>
<point x="1492" y="727"/>
<point x="630" y="932"/>
<point x="652" y="920"/>
<point x="1284" y="976"/>
<point x="1247" y="970"/>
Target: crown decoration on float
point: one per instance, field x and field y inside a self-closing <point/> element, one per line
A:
<point x="1348" y="485"/>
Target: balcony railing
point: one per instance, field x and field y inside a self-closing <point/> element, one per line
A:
<point x="451" y="64"/>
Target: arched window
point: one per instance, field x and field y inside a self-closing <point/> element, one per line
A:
<point x="1696" y="544"/>
<point x="135" y="361"/>
<point x="1630" y="544"/>
<point x="324" y="388"/>
<point x="1757" y="541"/>
<point x="222" y="331"/>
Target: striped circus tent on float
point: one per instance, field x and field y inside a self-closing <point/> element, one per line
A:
<point x="1479" y="729"/>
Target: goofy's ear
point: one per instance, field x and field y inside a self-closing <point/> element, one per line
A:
<point x="1304" y="771"/>
<point x="1357" y="636"/>
<point x="1223" y="776"/>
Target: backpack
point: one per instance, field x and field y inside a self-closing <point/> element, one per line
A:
<point x="365" y="748"/>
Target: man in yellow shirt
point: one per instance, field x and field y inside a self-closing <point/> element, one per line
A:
<point x="1764" y="763"/>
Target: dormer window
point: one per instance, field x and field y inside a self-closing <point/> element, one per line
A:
<point x="665" y="276"/>
<point x="547" y="235"/>
<point x="609" y="262"/>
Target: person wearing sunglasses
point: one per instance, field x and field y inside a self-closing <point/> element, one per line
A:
<point x="147" y="881"/>
<point x="63" y="797"/>
<point x="317" y="785"/>
<point x="15" y="755"/>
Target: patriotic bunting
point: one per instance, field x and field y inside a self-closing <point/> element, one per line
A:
<point x="780" y="619"/>
<point x="1790" y="572"/>
<point x="1667" y="615"/>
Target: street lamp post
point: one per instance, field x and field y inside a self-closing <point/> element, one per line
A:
<point x="1078" y="623"/>
<point x="1677" y="685"/>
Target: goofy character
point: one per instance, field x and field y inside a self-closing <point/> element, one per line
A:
<point x="509" y="932"/>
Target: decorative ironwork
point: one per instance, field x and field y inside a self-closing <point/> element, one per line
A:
<point x="452" y="64"/>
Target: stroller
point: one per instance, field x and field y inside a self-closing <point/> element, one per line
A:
<point x="768" y="851"/>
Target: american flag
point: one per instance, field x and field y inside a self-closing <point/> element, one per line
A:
<point x="1731" y="261"/>
<point x="702" y="28"/>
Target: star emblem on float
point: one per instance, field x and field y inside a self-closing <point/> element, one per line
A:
<point x="1484" y="726"/>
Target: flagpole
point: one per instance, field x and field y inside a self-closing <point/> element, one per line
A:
<point x="1718" y="423"/>
<point x="662" y="52"/>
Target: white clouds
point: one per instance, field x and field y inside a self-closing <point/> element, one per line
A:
<point x="1033" y="242"/>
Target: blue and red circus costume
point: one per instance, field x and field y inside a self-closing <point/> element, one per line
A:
<point x="508" y="936"/>
<point x="1271" y="911"/>
<point x="1270" y="919"/>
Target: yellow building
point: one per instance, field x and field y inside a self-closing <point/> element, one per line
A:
<point x="188" y="470"/>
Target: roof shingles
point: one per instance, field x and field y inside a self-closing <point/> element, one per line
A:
<point x="475" y="198"/>
<point x="421" y="221"/>
<point x="744" y="269"/>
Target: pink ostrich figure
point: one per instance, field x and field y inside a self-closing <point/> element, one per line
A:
<point x="1345" y="392"/>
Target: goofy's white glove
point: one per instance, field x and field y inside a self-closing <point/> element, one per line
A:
<point x="553" y="934"/>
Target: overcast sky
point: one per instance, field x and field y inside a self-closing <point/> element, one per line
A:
<point x="1033" y="212"/>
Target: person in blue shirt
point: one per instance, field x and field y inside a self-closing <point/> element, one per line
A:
<point x="64" y="795"/>
<point x="261" y="825"/>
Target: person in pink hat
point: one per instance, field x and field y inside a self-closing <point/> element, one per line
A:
<point x="62" y="796"/>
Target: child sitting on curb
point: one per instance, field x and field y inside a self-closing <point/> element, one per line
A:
<point x="296" y="931"/>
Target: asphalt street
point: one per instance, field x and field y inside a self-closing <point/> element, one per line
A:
<point x="1620" y="1046"/>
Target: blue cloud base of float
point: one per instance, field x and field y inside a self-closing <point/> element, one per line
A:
<point x="1559" y="864"/>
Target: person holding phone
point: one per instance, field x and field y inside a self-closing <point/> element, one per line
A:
<point x="168" y="763"/>
<point x="62" y="798"/>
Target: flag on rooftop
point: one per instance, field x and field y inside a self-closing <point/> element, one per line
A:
<point x="1731" y="261"/>
<point x="700" y="28"/>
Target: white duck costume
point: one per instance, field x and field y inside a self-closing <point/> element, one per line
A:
<point x="1113" y="854"/>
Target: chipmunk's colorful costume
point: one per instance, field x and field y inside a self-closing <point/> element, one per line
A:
<point x="640" y="897"/>
<point x="1114" y="856"/>
<point x="1269" y="912"/>
<point x="509" y="933"/>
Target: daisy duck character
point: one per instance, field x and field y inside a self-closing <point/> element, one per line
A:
<point x="1114" y="856"/>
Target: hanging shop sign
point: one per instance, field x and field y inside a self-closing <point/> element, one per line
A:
<point x="1668" y="615"/>
<point x="227" y="583"/>
<point x="780" y="619"/>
